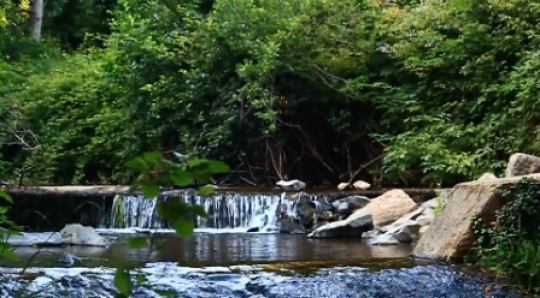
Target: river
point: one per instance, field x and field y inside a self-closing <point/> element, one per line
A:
<point x="242" y="265"/>
<point x="221" y="260"/>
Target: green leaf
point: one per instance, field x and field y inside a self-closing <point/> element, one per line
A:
<point x="138" y="164"/>
<point x="181" y="178"/>
<point x="137" y="242"/>
<point x="140" y="279"/>
<point x="172" y="209"/>
<point x="199" y="210"/>
<point x="197" y="162"/>
<point x="205" y="190"/>
<point x="122" y="281"/>
<point x="8" y="254"/>
<point x="6" y="196"/>
<point x="150" y="190"/>
<point x="183" y="227"/>
<point x="216" y="166"/>
<point x="153" y="157"/>
<point x="4" y="209"/>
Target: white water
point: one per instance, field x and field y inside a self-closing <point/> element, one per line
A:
<point x="230" y="212"/>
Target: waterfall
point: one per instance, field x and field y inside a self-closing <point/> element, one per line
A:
<point x="226" y="209"/>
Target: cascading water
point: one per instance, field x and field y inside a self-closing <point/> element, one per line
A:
<point x="227" y="210"/>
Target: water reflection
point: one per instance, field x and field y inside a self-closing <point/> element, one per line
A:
<point x="205" y="249"/>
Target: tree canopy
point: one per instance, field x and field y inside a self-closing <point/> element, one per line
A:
<point x="392" y="92"/>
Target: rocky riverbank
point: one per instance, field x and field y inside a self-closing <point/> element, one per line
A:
<point x="394" y="217"/>
<point x="391" y="218"/>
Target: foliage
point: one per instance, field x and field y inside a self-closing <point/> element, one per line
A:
<point x="153" y="170"/>
<point x="511" y="245"/>
<point x="408" y="92"/>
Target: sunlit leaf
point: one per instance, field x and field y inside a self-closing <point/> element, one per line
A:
<point x="122" y="281"/>
<point x="183" y="227"/>
<point x="137" y="242"/>
<point x="150" y="190"/>
<point x="138" y="164"/>
<point x="207" y="189"/>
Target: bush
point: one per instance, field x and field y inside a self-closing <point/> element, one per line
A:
<point x="511" y="245"/>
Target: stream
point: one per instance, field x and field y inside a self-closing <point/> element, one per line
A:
<point x="221" y="260"/>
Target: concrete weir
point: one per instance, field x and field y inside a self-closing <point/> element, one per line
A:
<point x="49" y="208"/>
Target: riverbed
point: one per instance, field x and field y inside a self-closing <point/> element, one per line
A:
<point x="242" y="265"/>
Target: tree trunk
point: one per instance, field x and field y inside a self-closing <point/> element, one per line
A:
<point x="37" y="19"/>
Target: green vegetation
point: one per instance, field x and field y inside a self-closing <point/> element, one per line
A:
<point x="406" y="92"/>
<point x="393" y="92"/>
<point x="511" y="245"/>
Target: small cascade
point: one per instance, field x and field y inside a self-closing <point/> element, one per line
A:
<point x="227" y="210"/>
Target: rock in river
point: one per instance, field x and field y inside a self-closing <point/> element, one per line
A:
<point x="35" y="239"/>
<point x="291" y="185"/>
<point x="76" y="234"/>
<point x="353" y="227"/>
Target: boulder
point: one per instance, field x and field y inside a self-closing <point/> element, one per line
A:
<point x="348" y="205"/>
<point x="253" y="230"/>
<point x="343" y="186"/>
<point x="450" y="235"/>
<point x="389" y="207"/>
<point x="35" y="239"/>
<point x="76" y="234"/>
<point x="291" y="185"/>
<point x="432" y="204"/>
<point x="361" y="185"/>
<point x="306" y="211"/>
<point x="487" y="176"/>
<point x="521" y="164"/>
<point x="352" y="227"/>
<point x="423" y="230"/>
<point x="290" y="226"/>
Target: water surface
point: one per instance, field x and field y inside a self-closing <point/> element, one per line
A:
<point x="208" y="249"/>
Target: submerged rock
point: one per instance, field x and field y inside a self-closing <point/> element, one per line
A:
<point x="76" y="234"/>
<point x="69" y="259"/>
<point x="35" y="239"/>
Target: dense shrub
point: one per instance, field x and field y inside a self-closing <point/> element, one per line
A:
<point x="407" y="92"/>
<point x="511" y="246"/>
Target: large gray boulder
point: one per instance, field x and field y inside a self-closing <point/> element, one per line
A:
<point x="521" y="164"/>
<point x="450" y="235"/>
